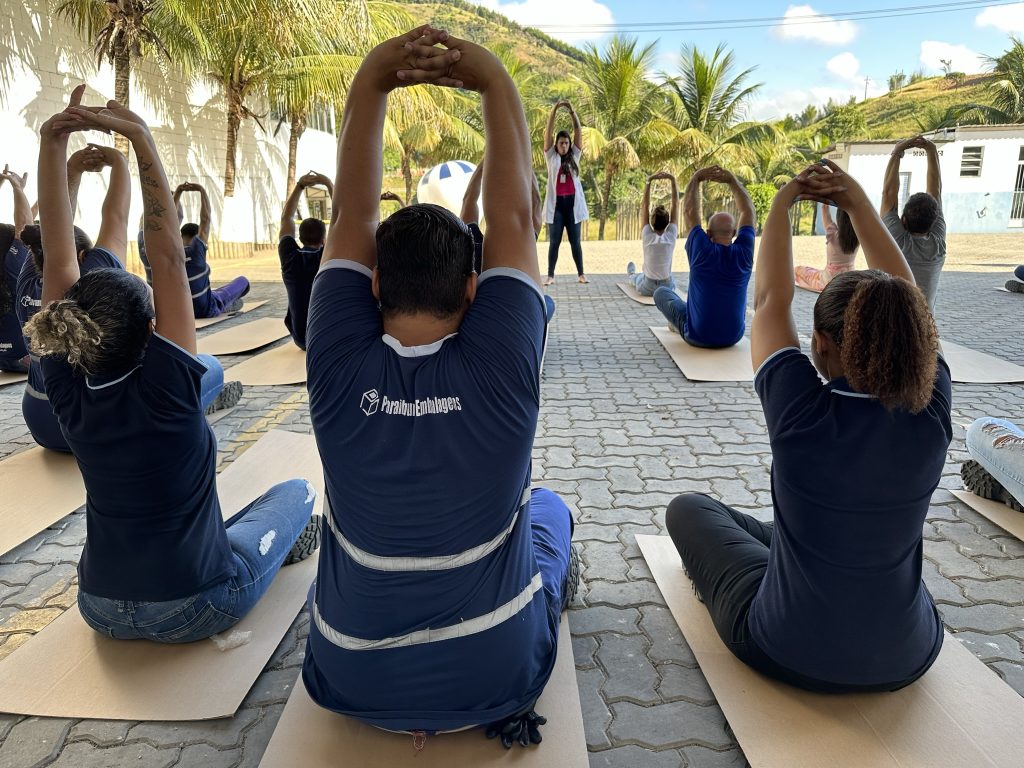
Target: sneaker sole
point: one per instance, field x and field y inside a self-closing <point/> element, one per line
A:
<point x="572" y="578"/>
<point x="1015" y="286"/>
<point x="307" y="543"/>
<point x="979" y="482"/>
<point x="228" y="397"/>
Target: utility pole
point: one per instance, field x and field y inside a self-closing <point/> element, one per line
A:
<point x="866" y="81"/>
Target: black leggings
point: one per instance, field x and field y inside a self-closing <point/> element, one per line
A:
<point x="725" y="553"/>
<point x="564" y="219"/>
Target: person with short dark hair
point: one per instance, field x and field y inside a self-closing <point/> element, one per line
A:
<point x="14" y="357"/>
<point x="920" y="231"/>
<point x="206" y="300"/>
<point x="299" y="265"/>
<point x="713" y="314"/>
<point x="658" y="235"/>
<point x="841" y="246"/>
<point x="565" y="207"/>
<point x="442" y="580"/>
<point x="854" y="463"/>
<point x="120" y="365"/>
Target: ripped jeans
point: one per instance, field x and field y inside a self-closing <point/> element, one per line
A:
<point x="260" y="536"/>
<point x="998" y="445"/>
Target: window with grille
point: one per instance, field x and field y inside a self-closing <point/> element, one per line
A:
<point x="970" y="162"/>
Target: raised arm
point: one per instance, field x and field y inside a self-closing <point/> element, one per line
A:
<point x="691" y="200"/>
<point x="891" y="181"/>
<point x="577" y="129"/>
<point x="470" y="201"/>
<point x="60" y="268"/>
<point x="674" y="209"/>
<point x="826" y="216"/>
<point x="177" y="206"/>
<point x="748" y="216"/>
<point x="356" y="199"/>
<point x="113" y="234"/>
<point x="934" y="170"/>
<point x="81" y="161"/>
<point x="508" y="202"/>
<point x="645" y="206"/>
<point x="880" y="250"/>
<point x="172" y="298"/>
<point x="22" y="209"/>
<point x="205" y="212"/>
<point x="391" y="197"/>
<point x="549" y="131"/>
<point x="291" y="207"/>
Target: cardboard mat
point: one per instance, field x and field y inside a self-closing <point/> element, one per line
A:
<point x="318" y="738"/>
<point x="56" y="490"/>
<point x="959" y="714"/>
<point x="281" y="365"/>
<point x="68" y="670"/>
<point x="206" y="322"/>
<point x="697" y="364"/>
<point x="243" y="338"/>
<point x="8" y="377"/>
<point x="970" y="367"/>
<point x="1010" y="520"/>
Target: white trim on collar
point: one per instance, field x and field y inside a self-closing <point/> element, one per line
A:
<point x="772" y="356"/>
<point x="844" y="393"/>
<point x="355" y="266"/>
<point x="421" y="350"/>
<point x="111" y="383"/>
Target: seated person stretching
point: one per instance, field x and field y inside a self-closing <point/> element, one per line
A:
<point x="442" y="577"/>
<point x="1016" y="283"/>
<point x="920" y="231"/>
<point x="121" y="369"/>
<point x="13" y="352"/>
<point x="996" y="467"/>
<point x="299" y="265"/>
<point x="841" y="246"/>
<point x="714" y="312"/>
<point x="658" y="236"/>
<point x="855" y="461"/>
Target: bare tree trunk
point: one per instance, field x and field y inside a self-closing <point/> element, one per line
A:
<point x="234" y="122"/>
<point x="407" y="175"/>
<point x="605" y="202"/>
<point x="122" y="89"/>
<point x="298" y="128"/>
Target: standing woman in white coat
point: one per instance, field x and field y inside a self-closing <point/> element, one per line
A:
<point x="565" y="207"/>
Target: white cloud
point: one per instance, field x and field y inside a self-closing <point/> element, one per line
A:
<point x="774" y="105"/>
<point x="828" y="31"/>
<point x="962" y="58"/>
<point x="1008" y="18"/>
<point x="556" y="13"/>
<point x="845" y="66"/>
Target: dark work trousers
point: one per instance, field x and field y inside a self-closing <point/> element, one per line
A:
<point x="725" y="553"/>
<point x="564" y="219"/>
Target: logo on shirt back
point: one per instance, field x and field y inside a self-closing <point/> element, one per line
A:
<point x="28" y="301"/>
<point x="372" y="402"/>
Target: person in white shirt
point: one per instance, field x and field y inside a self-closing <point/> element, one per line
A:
<point x="659" y="234"/>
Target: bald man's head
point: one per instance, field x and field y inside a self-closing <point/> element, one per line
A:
<point x="722" y="228"/>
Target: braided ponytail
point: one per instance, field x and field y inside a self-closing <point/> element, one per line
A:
<point x="64" y="328"/>
<point x="886" y="336"/>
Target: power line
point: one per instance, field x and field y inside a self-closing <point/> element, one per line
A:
<point x="773" y="21"/>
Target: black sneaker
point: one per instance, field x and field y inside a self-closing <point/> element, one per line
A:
<point x="229" y="396"/>
<point x="307" y="542"/>
<point x="979" y="482"/>
<point x="572" y="577"/>
<point x="1015" y="286"/>
<point x="235" y="306"/>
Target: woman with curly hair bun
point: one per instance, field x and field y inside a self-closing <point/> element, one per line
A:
<point x="125" y="383"/>
<point x="829" y="597"/>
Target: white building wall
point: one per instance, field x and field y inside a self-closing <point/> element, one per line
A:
<point x="970" y="204"/>
<point x="41" y="60"/>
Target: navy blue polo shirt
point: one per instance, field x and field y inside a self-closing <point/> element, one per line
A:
<point x="29" y="300"/>
<point x="428" y="610"/>
<point x="198" y="277"/>
<point x="842" y="600"/>
<point x="148" y="458"/>
<point x="12" y="342"/>
<point x="716" y="300"/>
<point x="299" y="267"/>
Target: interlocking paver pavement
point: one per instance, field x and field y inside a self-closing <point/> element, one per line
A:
<point x="621" y="433"/>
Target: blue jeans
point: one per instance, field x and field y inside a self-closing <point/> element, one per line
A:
<point x="673" y="308"/>
<point x="212" y="382"/>
<point x="998" y="445"/>
<point x="260" y="536"/>
<point x="1019" y="272"/>
<point x="645" y="286"/>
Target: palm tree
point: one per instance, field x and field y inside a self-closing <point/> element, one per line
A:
<point x="623" y="114"/>
<point x="124" y="31"/>
<point x="1006" y="88"/>
<point x="709" y="100"/>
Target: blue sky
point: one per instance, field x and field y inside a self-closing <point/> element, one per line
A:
<point x="798" y="64"/>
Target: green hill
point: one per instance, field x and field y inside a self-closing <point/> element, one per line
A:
<point x="915" y="108"/>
